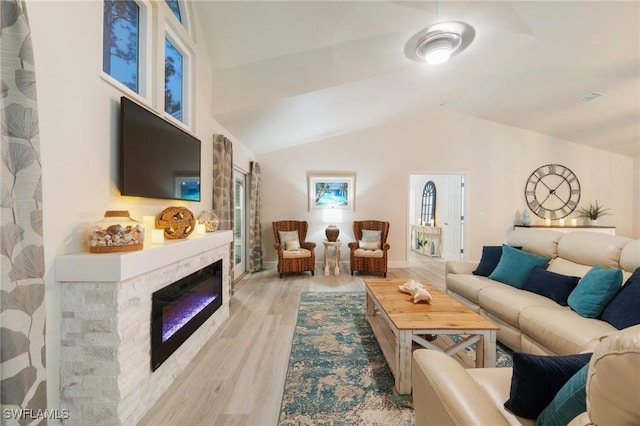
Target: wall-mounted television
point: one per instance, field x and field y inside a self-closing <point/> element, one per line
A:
<point x="157" y="158"/>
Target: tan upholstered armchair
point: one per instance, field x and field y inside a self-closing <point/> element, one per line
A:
<point x="294" y="253"/>
<point x="369" y="252"/>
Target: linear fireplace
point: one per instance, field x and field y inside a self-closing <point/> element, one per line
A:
<point x="178" y="309"/>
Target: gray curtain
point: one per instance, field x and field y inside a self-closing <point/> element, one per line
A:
<point x="255" y="229"/>
<point x="22" y="308"/>
<point x="223" y="202"/>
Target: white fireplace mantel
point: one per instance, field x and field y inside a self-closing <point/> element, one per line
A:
<point x="105" y="360"/>
<point x="116" y="267"/>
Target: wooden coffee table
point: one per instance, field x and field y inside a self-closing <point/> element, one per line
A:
<point x="398" y="323"/>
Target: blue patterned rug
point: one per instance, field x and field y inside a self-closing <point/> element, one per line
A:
<point x="337" y="373"/>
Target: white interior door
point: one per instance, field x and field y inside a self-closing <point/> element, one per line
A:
<point x="452" y="218"/>
<point x="449" y="210"/>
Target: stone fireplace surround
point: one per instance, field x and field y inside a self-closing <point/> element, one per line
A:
<point x="105" y="360"/>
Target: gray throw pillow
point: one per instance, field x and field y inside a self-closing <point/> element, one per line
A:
<point x="288" y="236"/>
<point x="369" y="236"/>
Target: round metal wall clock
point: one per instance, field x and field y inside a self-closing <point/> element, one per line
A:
<point x="552" y="191"/>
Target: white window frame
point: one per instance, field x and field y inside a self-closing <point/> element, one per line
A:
<point x="187" y="76"/>
<point x="158" y="22"/>
<point x="145" y="56"/>
<point x="180" y="36"/>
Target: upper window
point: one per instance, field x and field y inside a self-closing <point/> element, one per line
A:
<point x="174" y="5"/>
<point x="173" y="80"/>
<point x="120" y="47"/>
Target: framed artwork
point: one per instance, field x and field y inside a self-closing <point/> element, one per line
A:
<point x="331" y="190"/>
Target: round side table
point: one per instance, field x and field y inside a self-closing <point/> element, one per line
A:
<point x="332" y="257"/>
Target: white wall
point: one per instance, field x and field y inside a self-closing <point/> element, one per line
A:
<point x="78" y="112"/>
<point x="496" y="160"/>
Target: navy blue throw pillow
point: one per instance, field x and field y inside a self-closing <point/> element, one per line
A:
<point x="490" y="258"/>
<point x="537" y="379"/>
<point x="556" y="287"/>
<point x="623" y="311"/>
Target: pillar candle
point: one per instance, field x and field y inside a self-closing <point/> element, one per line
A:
<point x="561" y="222"/>
<point x="157" y="236"/>
<point x="149" y="223"/>
<point x="547" y="222"/>
<point x="574" y="222"/>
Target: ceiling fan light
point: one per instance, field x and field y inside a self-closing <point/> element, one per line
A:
<point x="438" y="55"/>
<point x="437" y="43"/>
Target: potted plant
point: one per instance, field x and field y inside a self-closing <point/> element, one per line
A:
<point x="593" y="212"/>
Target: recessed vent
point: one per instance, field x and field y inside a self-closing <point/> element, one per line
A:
<point x="590" y="96"/>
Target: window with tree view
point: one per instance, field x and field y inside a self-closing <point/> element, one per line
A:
<point x="120" y="45"/>
<point x="173" y="82"/>
<point x="174" y="5"/>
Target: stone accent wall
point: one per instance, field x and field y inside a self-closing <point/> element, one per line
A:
<point x="106" y="376"/>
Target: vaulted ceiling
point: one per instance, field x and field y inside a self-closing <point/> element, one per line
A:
<point x="293" y="72"/>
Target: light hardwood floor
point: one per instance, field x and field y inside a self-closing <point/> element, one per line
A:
<point x="238" y="376"/>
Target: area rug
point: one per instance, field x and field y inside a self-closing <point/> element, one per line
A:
<point x="337" y="373"/>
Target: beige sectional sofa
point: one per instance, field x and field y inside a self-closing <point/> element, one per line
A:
<point x="444" y="393"/>
<point x="533" y="323"/>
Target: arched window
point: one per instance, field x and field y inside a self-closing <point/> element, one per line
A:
<point x="428" y="211"/>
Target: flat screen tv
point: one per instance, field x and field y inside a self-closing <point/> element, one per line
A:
<point x="157" y="159"/>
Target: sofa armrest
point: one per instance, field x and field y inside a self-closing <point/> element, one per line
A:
<point x="445" y="394"/>
<point x="460" y="267"/>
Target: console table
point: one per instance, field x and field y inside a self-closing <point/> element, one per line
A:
<point x="426" y="240"/>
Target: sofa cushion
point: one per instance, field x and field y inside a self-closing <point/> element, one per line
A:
<point x="375" y="254"/>
<point x="469" y="286"/>
<point x="296" y="254"/>
<point x="623" y="310"/>
<point x="569" y="402"/>
<point x="536" y="380"/>
<point x="594" y="291"/>
<point x="506" y="302"/>
<point x="561" y="330"/>
<point x="630" y="256"/>
<point x="489" y="260"/>
<point x="556" y="287"/>
<point x="515" y="265"/>
<point x="612" y="383"/>
<point x="592" y="248"/>
<point x="543" y="242"/>
<point x="567" y="267"/>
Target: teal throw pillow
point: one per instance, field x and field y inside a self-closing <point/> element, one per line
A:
<point x="570" y="401"/>
<point x="594" y="291"/>
<point x="515" y="266"/>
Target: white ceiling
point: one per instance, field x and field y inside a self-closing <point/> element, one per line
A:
<point x="292" y="72"/>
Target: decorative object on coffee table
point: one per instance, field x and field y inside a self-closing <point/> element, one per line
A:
<point x="117" y="232"/>
<point x="210" y="220"/>
<point x="417" y="291"/>
<point x="177" y="222"/>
